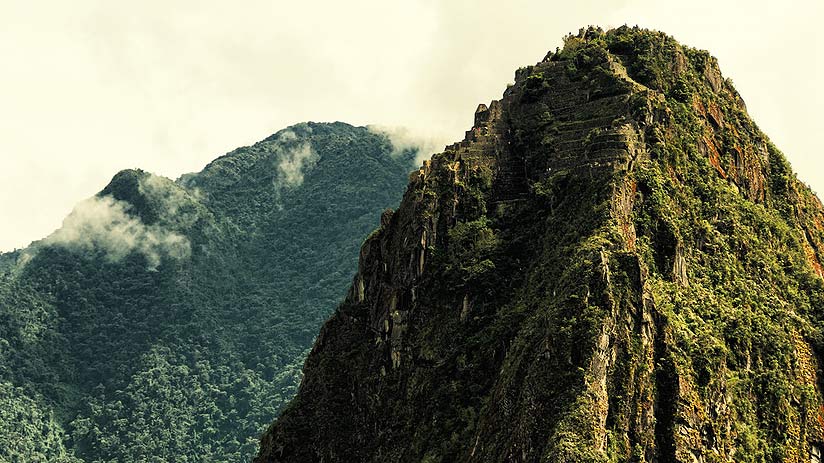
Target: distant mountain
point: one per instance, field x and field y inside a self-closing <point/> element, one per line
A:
<point x="169" y="320"/>
<point x="614" y="265"/>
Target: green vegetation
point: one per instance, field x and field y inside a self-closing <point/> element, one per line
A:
<point x="470" y="245"/>
<point x="169" y="321"/>
<point x="653" y="292"/>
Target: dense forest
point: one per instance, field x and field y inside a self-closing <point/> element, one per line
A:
<point x="169" y="320"/>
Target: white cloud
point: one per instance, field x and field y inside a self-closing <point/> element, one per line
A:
<point x="288" y="135"/>
<point x="170" y="198"/>
<point x="404" y="139"/>
<point x="162" y="191"/>
<point x="103" y="223"/>
<point x="294" y="161"/>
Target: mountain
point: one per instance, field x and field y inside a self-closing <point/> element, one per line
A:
<point x="614" y="265"/>
<point x="169" y="320"/>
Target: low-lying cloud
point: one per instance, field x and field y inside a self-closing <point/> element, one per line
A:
<point x="175" y="204"/>
<point x="161" y="190"/>
<point x="103" y="223"/>
<point x="293" y="162"/>
<point x="403" y="139"/>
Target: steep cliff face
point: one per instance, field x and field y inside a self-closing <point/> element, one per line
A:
<point x="615" y="264"/>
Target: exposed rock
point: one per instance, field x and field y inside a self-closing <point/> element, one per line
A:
<point x="620" y="240"/>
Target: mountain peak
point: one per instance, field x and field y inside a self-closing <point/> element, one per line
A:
<point x="614" y="264"/>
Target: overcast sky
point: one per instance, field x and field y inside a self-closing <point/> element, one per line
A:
<point x="89" y="87"/>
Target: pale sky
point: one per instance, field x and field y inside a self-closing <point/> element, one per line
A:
<point x="89" y="87"/>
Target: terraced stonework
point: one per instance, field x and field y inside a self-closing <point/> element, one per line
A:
<point x="614" y="265"/>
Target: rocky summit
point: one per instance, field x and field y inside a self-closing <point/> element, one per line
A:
<point x="614" y="265"/>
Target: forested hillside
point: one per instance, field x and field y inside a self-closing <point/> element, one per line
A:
<point x="169" y="320"/>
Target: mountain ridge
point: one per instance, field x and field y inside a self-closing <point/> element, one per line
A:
<point x="167" y="321"/>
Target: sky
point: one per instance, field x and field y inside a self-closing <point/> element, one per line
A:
<point x="90" y="87"/>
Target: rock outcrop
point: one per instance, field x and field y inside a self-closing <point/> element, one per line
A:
<point x="615" y="264"/>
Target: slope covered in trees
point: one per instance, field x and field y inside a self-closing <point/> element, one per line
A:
<point x="615" y="265"/>
<point x="168" y="321"/>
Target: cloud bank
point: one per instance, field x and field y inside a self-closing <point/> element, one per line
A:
<point x="103" y="223"/>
